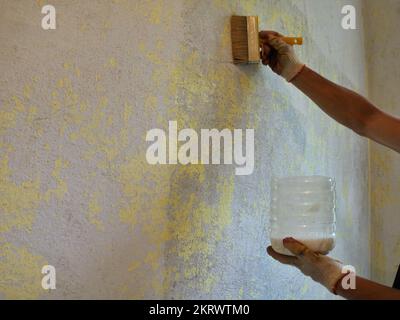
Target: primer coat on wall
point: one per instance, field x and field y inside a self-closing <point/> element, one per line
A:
<point x="77" y="193"/>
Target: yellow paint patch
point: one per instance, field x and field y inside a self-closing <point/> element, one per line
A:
<point x="134" y="265"/>
<point x="145" y="187"/>
<point x="18" y="203"/>
<point x="305" y="288"/>
<point x="112" y="63"/>
<point x="61" y="186"/>
<point x="27" y="91"/>
<point x="7" y="120"/>
<point x="41" y="3"/>
<point x="19" y="106"/>
<point x="67" y="66"/>
<point x="155" y="10"/>
<point x="20" y="272"/>
<point x="94" y="209"/>
<point x="32" y="113"/>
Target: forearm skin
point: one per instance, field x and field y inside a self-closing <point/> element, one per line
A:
<point x="343" y="105"/>
<point x="350" y="109"/>
<point x="368" y="290"/>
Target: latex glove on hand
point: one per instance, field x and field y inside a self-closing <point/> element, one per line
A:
<point x="320" y="268"/>
<point x="279" y="55"/>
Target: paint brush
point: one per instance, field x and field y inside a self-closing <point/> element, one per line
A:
<point x="246" y="41"/>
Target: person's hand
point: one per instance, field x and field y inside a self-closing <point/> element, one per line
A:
<point x="320" y="268"/>
<point x="279" y="55"/>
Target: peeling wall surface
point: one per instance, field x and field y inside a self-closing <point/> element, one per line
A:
<point x="77" y="193"/>
<point x="383" y="23"/>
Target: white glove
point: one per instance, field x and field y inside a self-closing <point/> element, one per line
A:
<point x="280" y="56"/>
<point x="320" y="268"/>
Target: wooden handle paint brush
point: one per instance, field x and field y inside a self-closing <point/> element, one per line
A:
<point x="293" y="40"/>
<point x="246" y="40"/>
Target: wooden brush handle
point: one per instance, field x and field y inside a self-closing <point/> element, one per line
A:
<point x="293" y="40"/>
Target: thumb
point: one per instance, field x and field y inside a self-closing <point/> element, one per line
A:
<point x="295" y="247"/>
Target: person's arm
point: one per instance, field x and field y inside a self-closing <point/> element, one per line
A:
<point x="350" y="109"/>
<point x="328" y="272"/>
<point x="368" y="290"/>
<point x="343" y="105"/>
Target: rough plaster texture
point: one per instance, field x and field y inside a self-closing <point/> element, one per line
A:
<point x="383" y="24"/>
<point x="76" y="191"/>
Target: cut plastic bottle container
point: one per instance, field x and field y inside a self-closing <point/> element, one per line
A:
<point x="303" y="208"/>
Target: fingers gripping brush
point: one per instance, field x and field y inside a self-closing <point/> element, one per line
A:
<point x="246" y="41"/>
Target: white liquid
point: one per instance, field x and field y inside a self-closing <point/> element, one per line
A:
<point x="322" y="245"/>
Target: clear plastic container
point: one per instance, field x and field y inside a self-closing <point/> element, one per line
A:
<point x="303" y="208"/>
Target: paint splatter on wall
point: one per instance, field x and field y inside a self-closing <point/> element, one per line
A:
<point x="77" y="193"/>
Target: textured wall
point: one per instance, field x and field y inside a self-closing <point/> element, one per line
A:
<point x="76" y="191"/>
<point x="383" y="24"/>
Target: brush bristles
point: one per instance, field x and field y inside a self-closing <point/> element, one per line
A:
<point x="245" y="39"/>
<point x="240" y="44"/>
